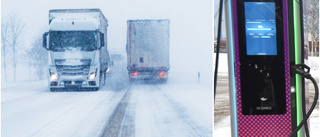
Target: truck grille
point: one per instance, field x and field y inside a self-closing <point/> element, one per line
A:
<point x="68" y="70"/>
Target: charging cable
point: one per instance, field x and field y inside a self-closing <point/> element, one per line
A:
<point x="217" y="52"/>
<point x="300" y="69"/>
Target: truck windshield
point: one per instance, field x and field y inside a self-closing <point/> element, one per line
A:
<point x="61" y="41"/>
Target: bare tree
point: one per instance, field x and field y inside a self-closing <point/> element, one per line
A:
<point x="38" y="58"/>
<point x="315" y="21"/>
<point x="313" y="25"/>
<point x="15" y="27"/>
<point x="4" y="35"/>
<point x="316" y="35"/>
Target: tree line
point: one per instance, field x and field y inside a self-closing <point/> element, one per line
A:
<point x="312" y="23"/>
<point x="16" y="54"/>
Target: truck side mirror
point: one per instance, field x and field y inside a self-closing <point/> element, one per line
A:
<point x="44" y="42"/>
<point x="101" y="40"/>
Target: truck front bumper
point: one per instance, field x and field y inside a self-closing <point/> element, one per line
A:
<point x="74" y="82"/>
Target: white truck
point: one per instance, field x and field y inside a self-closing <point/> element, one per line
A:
<point x="148" y="49"/>
<point x="77" y="49"/>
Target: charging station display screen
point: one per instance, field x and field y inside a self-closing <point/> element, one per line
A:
<point x="260" y="27"/>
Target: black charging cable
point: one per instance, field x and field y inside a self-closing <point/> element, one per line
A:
<point x="217" y="51"/>
<point x="300" y="69"/>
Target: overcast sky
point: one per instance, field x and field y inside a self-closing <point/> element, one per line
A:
<point x="191" y="21"/>
<point x="35" y="12"/>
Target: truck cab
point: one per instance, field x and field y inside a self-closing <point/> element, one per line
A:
<point x="77" y="49"/>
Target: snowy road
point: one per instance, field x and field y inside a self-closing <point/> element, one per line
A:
<point x="43" y="113"/>
<point x="118" y="109"/>
<point x="147" y="108"/>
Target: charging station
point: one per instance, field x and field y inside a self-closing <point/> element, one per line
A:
<point x="265" y="38"/>
<point x="298" y="55"/>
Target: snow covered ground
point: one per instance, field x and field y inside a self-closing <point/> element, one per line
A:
<point x="222" y="106"/>
<point x="152" y="110"/>
<point x="31" y="110"/>
<point x="177" y="108"/>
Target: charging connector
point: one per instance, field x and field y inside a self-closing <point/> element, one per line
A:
<point x="300" y="69"/>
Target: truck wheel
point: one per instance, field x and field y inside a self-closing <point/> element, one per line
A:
<point x="131" y="81"/>
<point x="163" y="81"/>
<point x="100" y="77"/>
<point x="53" y="89"/>
<point x="104" y="78"/>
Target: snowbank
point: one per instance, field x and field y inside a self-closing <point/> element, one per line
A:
<point x="314" y="62"/>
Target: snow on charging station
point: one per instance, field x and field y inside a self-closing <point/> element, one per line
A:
<point x="265" y="42"/>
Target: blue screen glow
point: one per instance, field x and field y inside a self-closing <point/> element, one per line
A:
<point x="260" y="24"/>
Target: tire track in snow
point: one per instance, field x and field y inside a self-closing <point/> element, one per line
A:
<point x="128" y="124"/>
<point x="193" y="128"/>
<point x="164" y="115"/>
<point x="121" y="122"/>
<point x="159" y="115"/>
<point x="63" y="118"/>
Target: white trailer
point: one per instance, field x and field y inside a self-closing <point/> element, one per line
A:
<point x="148" y="49"/>
<point x="77" y="49"/>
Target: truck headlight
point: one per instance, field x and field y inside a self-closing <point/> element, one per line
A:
<point x="92" y="76"/>
<point x="108" y="69"/>
<point x="53" y="76"/>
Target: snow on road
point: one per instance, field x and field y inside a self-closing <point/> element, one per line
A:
<point x="161" y="113"/>
<point x="172" y="109"/>
<point x="37" y="112"/>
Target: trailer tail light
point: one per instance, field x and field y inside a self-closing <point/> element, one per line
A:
<point x="134" y="74"/>
<point x="162" y="74"/>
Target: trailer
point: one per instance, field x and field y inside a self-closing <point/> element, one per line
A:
<point x="148" y="49"/>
